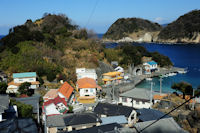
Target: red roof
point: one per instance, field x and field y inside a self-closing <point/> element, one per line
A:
<point x="66" y="90"/>
<point x="56" y="101"/>
<point x="87" y="83"/>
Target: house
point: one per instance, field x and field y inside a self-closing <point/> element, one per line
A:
<point x="150" y="67"/>
<point x="107" y="110"/>
<point x="4" y="105"/>
<point x="34" y="102"/>
<point x="87" y="88"/>
<point x="119" y="69"/>
<point x="86" y="73"/>
<point x="137" y="98"/>
<point x="149" y="115"/>
<point x="98" y="129"/>
<point x="166" y="125"/>
<point x="19" y="78"/>
<point x="112" y="77"/>
<point x="51" y="94"/>
<point x="71" y="122"/>
<point x="66" y="91"/>
<point x="56" y="106"/>
<point x="26" y="125"/>
<point x="6" y="111"/>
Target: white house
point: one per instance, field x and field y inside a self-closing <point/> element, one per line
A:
<point x="137" y="98"/>
<point x="150" y="67"/>
<point x="87" y="88"/>
<point x="86" y="73"/>
<point x="19" y="78"/>
<point x="120" y="69"/>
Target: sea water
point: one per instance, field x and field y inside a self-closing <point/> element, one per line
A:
<point x="182" y="55"/>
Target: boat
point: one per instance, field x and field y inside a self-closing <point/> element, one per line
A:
<point x="172" y="74"/>
<point x="148" y="79"/>
<point x="182" y="71"/>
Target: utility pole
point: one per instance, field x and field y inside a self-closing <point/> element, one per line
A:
<point x="45" y="121"/>
<point x="151" y="94"/>
<point x="160" y="85"/>
<point x="113" y="91"/>
<point x="193" y="100"/>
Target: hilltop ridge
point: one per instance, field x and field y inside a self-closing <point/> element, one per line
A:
<point x="186" y="29"/>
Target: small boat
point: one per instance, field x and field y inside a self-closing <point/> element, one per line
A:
<point x="182" y="71"/>
<point x="172" y="74"/>
<point x="148" y="79"/>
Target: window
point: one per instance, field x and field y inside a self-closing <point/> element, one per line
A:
<point x="91" y="90"/>
<point x="86" y="90"/>
<point x="137" y="102"/>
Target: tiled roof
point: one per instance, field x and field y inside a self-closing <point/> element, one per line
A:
<point x="18" y="84"/>
<point x="24" y="75"/>
<point x="4" y="102"/>
<point x="166" y="125"/>
<point x="55" y="101"/>
<point x="112" y="73"/>
<point x="87" y="83"/>
<point x="159" y="97"/>
<point x="66" y="90"/>
<point x="51" y="94"/>
<point x="72" y="119"/>
<point x="26" y="125"/>
<point x="149" y="114"/>
<point x="112" y="109"/>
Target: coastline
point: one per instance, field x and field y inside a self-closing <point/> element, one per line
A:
<point x="154" y="42"/>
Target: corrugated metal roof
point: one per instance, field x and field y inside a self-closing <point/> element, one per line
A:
<point x="152" y="63"/>
<point x="24" y="75"/>
<point x="121" y="119"/>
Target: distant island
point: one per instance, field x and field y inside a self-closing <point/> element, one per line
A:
<point x="186" y="29"/>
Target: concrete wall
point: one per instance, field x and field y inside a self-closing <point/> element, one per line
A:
<point x="133" y="103"/>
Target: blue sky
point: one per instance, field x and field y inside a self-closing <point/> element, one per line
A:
<point x="16" y="12"/>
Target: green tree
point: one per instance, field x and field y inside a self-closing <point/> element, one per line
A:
<point x="24" y="88"/>
<point x="51" y="76"/>
<point x="183" y="87"/>
<point x="3" y="87"/>
<point x="24" y="110"/>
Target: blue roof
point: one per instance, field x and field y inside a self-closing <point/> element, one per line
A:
<point x="23" y="75"/>
<point x="152" y="63"/>
<point x="121" y="119"/>
<point x="149" y="114"/>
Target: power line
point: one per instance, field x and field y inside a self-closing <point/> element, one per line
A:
<point x="168" y="113"/>
<point x="93" y="10"/>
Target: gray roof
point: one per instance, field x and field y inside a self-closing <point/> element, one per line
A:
<point x="72" y="119"/>
<point x="18" y="126"/>
<point x="138" y="93"/>
<point x="4" y="102"/>
<point x="33" y="101"/>
<point x="166" y="125"/>
<point x="121" y="119"/>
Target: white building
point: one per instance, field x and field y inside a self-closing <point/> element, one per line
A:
<point x="86" y="73"/>
<point x="150" y="67"/>
<point x="19" y="78"/>
<point x="87" y="88"/>
<point x="137" y="98"/>
<point x="119" y="69"/>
